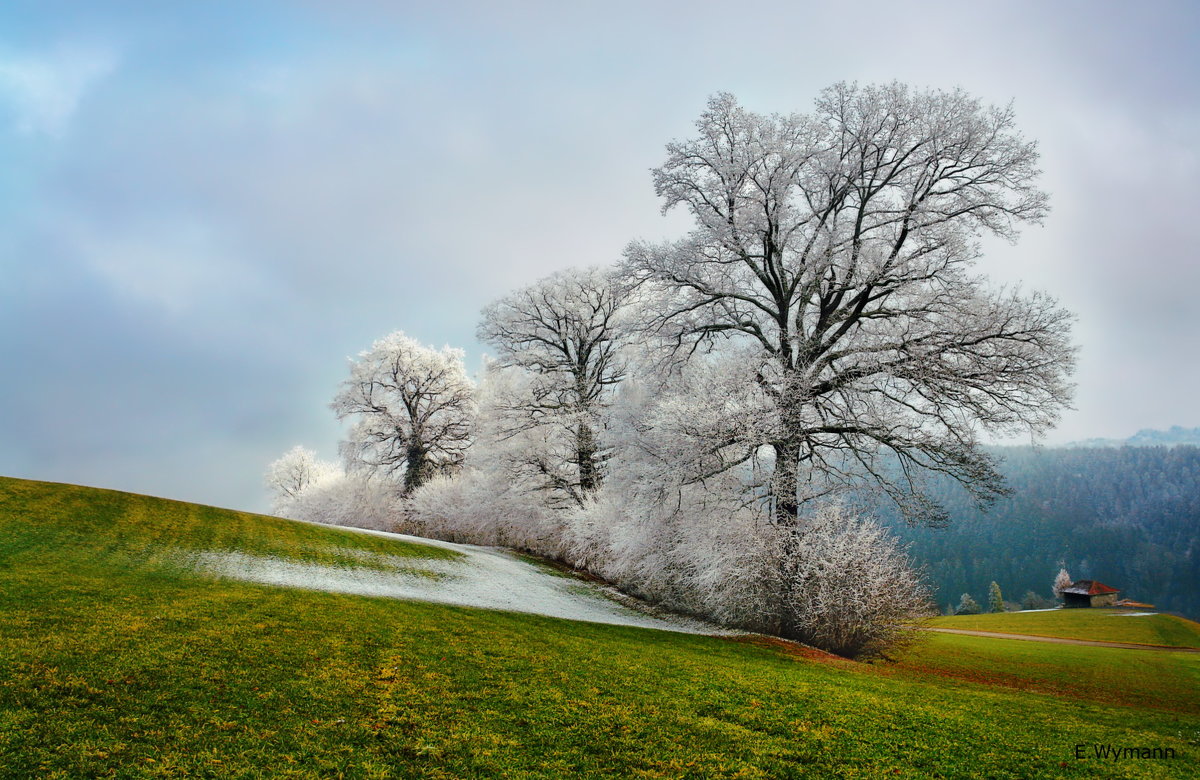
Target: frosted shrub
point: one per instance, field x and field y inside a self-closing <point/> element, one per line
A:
<point x="733" y="573"/>
<point x="588" y="534"/>
<point x="349" y="500"/>
<point x="483" y="507"/>
<point x="436" y="510"/>
<point x="621" y="540"/>
<point x="697" y="553"/>
<point x="850" y="588"/>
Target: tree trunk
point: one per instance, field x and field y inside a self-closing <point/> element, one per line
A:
<point x="585" y="458"/>
<point x="785" y="486"/>
<point x="417" y="468"/>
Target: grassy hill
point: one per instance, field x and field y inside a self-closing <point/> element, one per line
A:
<point x="1106" y="625"/>
<point x="119" y="658"/>
<point x="1143" y="679"/>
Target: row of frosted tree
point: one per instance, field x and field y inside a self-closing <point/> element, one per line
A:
<point x="701" y="423"/>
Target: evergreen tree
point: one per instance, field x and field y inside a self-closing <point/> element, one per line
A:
<point x="995" y="599"/>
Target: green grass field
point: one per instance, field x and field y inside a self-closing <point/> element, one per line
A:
<point x="1136" y="678"/>
<point x="1107" y="625"/>
<point x="118" y="660"/>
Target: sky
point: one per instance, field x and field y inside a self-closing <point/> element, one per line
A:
<point x="207" y="208"/>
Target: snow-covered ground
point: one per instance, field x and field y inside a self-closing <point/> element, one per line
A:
<point x="484" y="577"/>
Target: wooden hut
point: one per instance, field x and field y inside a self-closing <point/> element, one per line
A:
<point x="1089" y="593"/>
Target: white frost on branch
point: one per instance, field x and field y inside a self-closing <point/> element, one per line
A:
<point x="839" y="246"/>
<point x="561" y="342"/>
<point x="317" y="491"/>
<point x="295" y="472"/>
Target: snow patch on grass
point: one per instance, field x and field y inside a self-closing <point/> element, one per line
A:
<point x="484" y="577"/>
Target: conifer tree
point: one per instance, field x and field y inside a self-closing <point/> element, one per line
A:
<point x="995" y="598"/>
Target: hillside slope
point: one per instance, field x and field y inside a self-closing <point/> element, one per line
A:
<point x="164" y="534"/>
<point x="119" y="657"/>
<point x="1105" y="625"/>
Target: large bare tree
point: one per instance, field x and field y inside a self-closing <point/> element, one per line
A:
<point x="841" y="246"/>
<point x="563" y="333"/>
<point x="413" y="407"/>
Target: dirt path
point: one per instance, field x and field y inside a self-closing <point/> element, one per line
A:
<point x="1061" y="641"/>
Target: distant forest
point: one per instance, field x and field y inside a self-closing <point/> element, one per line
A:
<point x="1128" y="517"/>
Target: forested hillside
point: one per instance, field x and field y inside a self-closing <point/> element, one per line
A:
<point x="1129" y="517"/>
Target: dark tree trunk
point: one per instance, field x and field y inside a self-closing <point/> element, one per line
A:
<point x="785" y="487"/>
<point x="417" y="469"/>
<point x="585" y="458"/>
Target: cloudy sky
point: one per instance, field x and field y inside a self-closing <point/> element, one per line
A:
<point x="206" y="207"/>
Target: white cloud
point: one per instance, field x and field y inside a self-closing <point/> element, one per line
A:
<point x="45" y="90"/>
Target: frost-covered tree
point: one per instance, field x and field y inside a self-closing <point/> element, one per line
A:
<point x="317" y="491"/>
<point x="293" y="473"/>
<point x="564" y="334"/>
<point x="412" y="408"/>
<point x="1062" y="581"/>
<point x="493" y="499"/>
<point x="697" y="413"/>
<point x="839" y="247"/>
<point x="995" y="598"/>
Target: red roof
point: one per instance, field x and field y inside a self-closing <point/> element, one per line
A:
<point x="1089" y="588"/>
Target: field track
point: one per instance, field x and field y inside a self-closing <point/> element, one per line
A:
<point x="1060" y="641"/>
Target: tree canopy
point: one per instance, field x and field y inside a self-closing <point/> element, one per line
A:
<point x="564" y="334"/>
<point x="412" y="407"/>
<point x="839" y="246"/>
